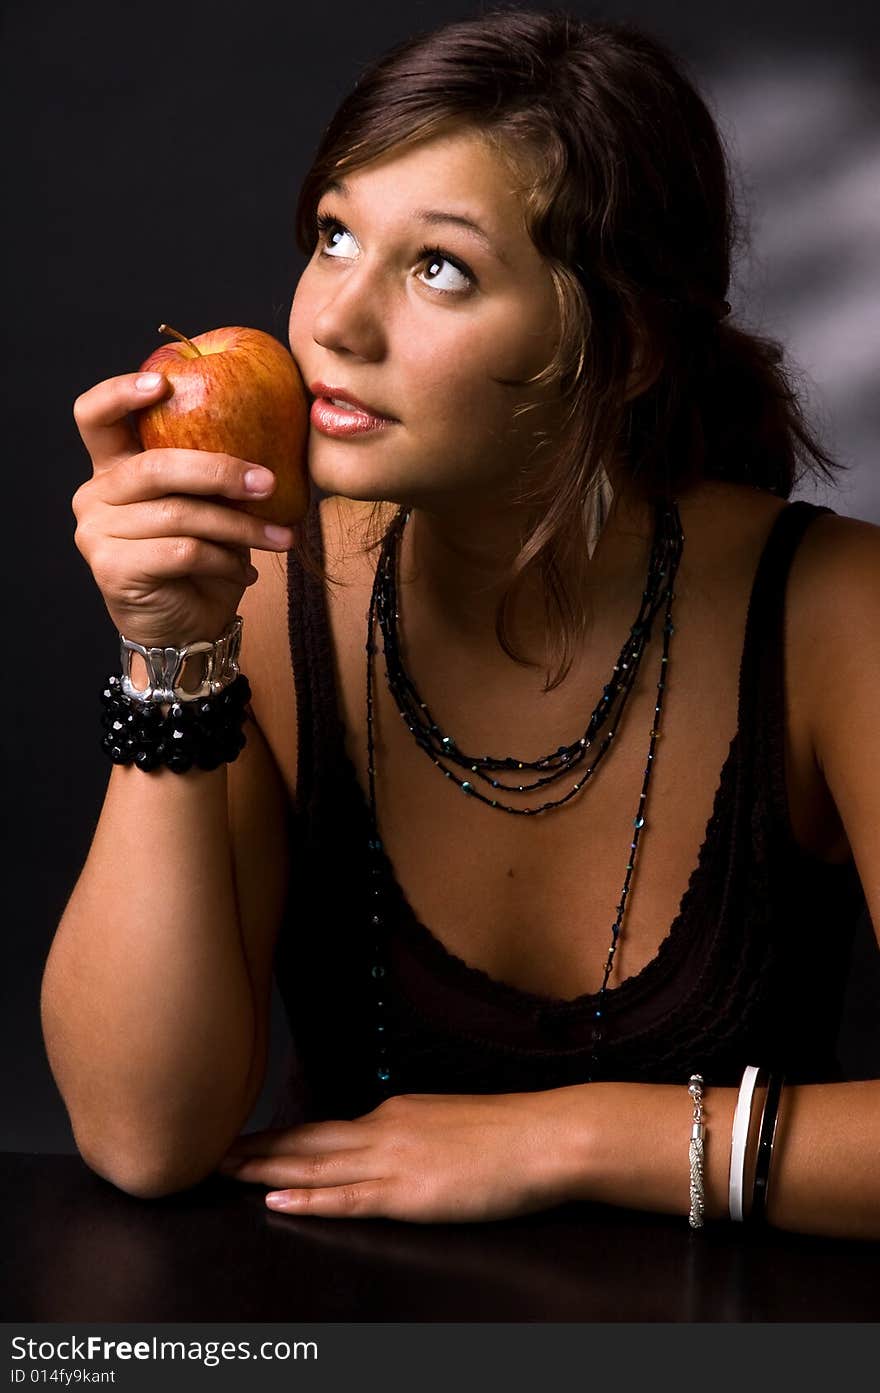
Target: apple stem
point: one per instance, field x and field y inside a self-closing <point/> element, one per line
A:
<point x="175" y="334"/>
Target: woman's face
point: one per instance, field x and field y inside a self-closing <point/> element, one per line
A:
<point x="423" y="337"/>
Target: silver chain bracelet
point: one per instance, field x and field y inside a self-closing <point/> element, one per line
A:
<point x="695" y="1154"/>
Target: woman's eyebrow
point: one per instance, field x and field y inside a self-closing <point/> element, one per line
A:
<point x="433" y="216"/>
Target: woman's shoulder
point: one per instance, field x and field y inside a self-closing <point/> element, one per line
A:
<point x="831" y="609"/>
<point x="843" y="550"/>
<point x="836" y="550"/>
<point x="835" y="582"/>
<point x="832" y="598"/>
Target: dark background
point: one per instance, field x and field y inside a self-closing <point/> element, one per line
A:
<point x="152" y="160"/>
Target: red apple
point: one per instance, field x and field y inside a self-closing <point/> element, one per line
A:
<point x="239" y="392"/>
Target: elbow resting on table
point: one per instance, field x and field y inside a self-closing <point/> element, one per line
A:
<point x="151" y="1162"/>
<point x="148" y="1177"/>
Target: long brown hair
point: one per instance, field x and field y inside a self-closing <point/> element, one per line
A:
<point x="628" y="194"/>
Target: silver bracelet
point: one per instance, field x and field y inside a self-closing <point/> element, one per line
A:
<point x="695" y="1154"/>
<point x="165" y="667"/>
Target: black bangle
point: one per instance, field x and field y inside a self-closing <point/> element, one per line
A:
<point x="766" y="1138"/>
<point x="205" y="733"/>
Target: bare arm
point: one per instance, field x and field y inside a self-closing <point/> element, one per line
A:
<point x="154" y="1000"/>
<point x="155" y="994"/>
<point x="627" y="1144"/>
<point x="148" y="1016"/>
<point x="632" y="1141"/>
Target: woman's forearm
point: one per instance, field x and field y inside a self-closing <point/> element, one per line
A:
<point x="627" y="1144"/>
<point x="148" y="1012"/>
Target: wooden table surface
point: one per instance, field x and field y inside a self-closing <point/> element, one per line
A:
<point x="77" y="1249"/>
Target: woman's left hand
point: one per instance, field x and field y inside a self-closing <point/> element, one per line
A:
<point x="423" y="1157"/>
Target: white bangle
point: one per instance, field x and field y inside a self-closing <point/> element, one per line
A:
<point x="739" y="1140"/>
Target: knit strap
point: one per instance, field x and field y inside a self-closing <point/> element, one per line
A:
<point x="761" y="715"/>
<point x="320" y="736"/>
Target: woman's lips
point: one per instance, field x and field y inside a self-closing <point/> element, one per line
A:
<point x="339" y="420"/>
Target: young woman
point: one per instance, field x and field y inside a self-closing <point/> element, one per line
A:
<point x="560" y="777"/>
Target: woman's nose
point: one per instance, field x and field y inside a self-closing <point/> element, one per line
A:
<point x="351" y="318"/>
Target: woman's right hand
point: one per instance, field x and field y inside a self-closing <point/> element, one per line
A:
<point x="170" y="558"/>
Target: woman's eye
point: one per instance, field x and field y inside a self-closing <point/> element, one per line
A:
<point x="445" y="276"/>
<point x="327" y="229"/>
<point x="435" y="259"/>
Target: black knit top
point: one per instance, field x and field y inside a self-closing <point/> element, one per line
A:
<point x="752" y="970"/>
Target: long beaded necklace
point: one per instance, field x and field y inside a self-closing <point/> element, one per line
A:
<point x="663" y="565"/>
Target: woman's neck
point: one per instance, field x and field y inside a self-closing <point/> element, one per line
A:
<point x="455" y="565"/>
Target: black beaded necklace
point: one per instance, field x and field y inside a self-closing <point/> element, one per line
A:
<point x="663" y="565"/>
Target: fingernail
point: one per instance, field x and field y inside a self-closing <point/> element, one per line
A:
<point x="279" y="1199"/>
<point x="147" y="381"/>
<point x="258" y="480"/>
<point x="282" y="535"/>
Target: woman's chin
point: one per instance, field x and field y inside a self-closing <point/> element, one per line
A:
<point x="344" y="470"/>
<point x="357" y="482"/>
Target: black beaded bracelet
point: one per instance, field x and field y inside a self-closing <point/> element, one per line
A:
<point x="205" y="733"/>
<point x="766" y="1138"/>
